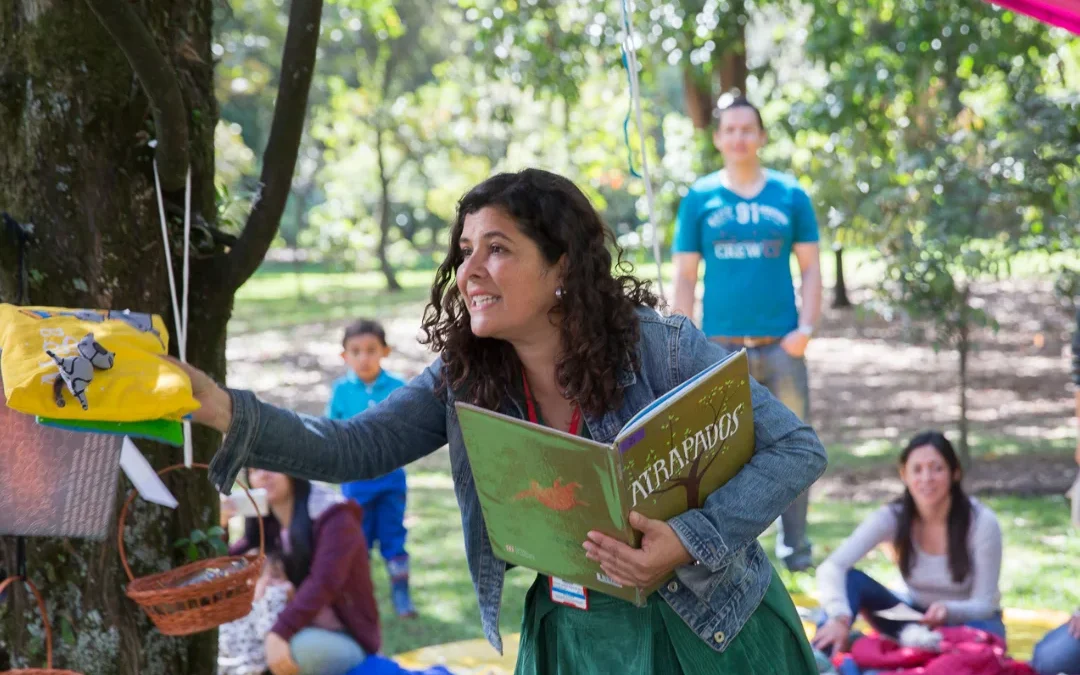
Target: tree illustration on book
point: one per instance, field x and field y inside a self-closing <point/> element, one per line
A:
<point x="695" y="452"/>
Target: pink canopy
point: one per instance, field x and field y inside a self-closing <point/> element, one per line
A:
<point x="1062" y="13"/>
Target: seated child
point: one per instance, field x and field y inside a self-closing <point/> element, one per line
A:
<point x="241" y="643"/>
<point x="363" y="386"/>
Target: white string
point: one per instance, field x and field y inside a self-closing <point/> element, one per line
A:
<point x="635" y="95"/>
<point x="180" y="319"/>
<point x="188" y="451"/>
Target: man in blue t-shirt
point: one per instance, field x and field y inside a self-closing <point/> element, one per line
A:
<point x="746" y="221"/>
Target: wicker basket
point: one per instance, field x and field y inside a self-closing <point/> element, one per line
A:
<point x="48" y="669"/>
<point x="178" y="601"/>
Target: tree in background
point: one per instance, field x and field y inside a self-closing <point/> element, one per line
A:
<point x="955" y="148"/>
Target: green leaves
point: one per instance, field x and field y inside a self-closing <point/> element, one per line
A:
<point x="208" y="543"/>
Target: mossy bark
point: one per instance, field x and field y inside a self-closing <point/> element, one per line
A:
<point x="76" y="162"/>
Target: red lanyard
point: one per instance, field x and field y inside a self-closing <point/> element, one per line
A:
<point x="575" y="418"/>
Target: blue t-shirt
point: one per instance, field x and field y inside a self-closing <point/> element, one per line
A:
<point x="746" y="245"/>
<point x="349" y="397"/>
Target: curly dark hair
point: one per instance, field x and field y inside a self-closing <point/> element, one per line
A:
<point x="599" y="321"/>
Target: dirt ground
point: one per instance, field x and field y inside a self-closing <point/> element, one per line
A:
<point x="872" y="381"/>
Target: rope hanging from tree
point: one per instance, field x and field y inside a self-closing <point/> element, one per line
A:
<point x="631" y="63"/>
<point x="180" y="318"/>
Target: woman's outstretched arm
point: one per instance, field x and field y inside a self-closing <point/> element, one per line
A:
<point x="408" y="425"/>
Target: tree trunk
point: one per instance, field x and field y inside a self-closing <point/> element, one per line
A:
<point x="733" y="70"/>
<point x="840" y="295"/>
<point x="963" y="348"/>
<point x="697" y="99"/>
<point x="77" y="162"/>
<point x="392" y="284"/>
<point x="303" y="196"/>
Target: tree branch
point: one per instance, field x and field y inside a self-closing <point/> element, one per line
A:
<point x="286" y="130"/>
<point x="158" y="81"/>
<point x="712" y="459"/>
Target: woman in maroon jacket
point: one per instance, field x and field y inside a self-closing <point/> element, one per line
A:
<point x="331" y="623"/>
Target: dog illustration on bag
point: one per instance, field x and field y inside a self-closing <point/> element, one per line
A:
<point x="78" y="371"/>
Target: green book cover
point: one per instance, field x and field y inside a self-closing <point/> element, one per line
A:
<point x="542" y="490"/>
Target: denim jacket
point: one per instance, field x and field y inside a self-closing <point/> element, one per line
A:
<point x="714" y="596"/>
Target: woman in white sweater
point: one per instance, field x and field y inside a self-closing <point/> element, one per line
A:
<point x="947" y="546"/>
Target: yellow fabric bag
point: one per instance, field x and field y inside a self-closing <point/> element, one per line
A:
<point x="137" y="386"/>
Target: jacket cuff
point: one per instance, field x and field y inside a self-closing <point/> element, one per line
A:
<point x="284" y="629"/>
<point x="701" y="539"/>
<point x="239" y="439"/>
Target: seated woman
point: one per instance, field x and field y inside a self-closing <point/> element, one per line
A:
<point x="529" y="292"/>
<point x="947" y="545"/>
<point x="330" y="622"/>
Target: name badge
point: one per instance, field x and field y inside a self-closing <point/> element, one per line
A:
<point x="569" y="594"/>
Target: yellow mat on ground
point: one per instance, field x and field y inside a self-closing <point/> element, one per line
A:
<point x="476" y="657"/>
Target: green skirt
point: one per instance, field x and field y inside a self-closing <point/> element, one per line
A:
<point x="613" y="637"/>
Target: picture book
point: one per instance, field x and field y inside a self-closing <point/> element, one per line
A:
<point x="542" y="490"/>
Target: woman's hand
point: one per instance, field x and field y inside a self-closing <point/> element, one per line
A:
<point x="216" y="410"/>
<point x="660" y="553"/>
<point x="1074" y="625"/>
<point x="936" y="614"/>
<point x="833" y="634"/>
<point x="278" y="657"/>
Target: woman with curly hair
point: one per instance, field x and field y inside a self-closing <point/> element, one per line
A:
<point x="529" y="312"/>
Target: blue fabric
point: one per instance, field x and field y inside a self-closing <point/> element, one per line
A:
<point x="866" y="596"/>
<point x="379" y="665"/>
<point x="384" y="522"/>
<point x="746" y="245"/>
<point x="350" y="396"/>
<point x="785" y="376"/>
<point x="318" y="651"/>
<point x="1058" y="652"/>
<point x="715" y="597"/>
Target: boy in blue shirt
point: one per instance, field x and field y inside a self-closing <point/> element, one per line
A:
<point x="383" y="498"/>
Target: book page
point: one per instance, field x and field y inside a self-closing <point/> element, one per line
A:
<point x="541" y="491"/>
<point x="649" y="410"/>
<point x="900" y="612"/>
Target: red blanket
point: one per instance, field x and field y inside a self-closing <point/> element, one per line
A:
<point x="963" y="651"/>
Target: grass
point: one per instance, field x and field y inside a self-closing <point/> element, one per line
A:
<point x="441" y="586"/>
<point x="1039" y="557"/>
<point x="982" y="446"/>
<point x="282" y="300"/>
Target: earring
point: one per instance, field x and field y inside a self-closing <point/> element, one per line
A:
<point x="559" y="293"/>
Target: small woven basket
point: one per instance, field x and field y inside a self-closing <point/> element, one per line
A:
<point x="199" y="596"/>
<point x="48" y="669"/>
